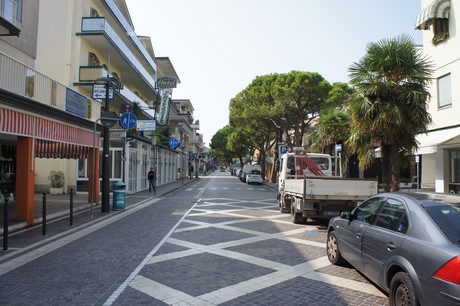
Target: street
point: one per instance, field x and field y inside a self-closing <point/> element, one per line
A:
<point x="215" y="241"/>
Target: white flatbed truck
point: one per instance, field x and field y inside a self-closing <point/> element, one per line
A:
<point x="307" y="187"/>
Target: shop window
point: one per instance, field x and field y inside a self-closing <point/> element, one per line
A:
<point x="455" y="166"/>
<point x="444" y="91"/>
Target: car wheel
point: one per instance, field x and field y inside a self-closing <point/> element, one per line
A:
<point x="296" y="217"/>
<point x="402" y="290"/>
<point x="332" y="249"/>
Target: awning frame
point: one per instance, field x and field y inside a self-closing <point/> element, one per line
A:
<point x="436" y="9"/>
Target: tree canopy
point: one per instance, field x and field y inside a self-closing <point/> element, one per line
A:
<point x="389" y="107"/>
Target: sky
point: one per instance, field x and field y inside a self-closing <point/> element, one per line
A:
<point x="218" y="47"/>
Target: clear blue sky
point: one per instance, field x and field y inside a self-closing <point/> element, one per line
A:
<point x="219" y="46"/>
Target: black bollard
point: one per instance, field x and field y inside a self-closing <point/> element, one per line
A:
<point x="71" y="206"/>
<point x="44" y="214"/>
<point x="5" y="223"/>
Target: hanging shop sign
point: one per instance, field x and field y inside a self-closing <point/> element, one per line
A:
<point x="164" y="107"/>
<point x="166" y="82"/>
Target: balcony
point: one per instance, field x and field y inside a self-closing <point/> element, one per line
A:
<point x="89" y="74"/>
<point x="8" y="18"/>
<point x="24" y="81"/>
<point x="136" y="69"/>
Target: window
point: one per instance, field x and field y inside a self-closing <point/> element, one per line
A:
<point x="93" y="12"/>
<point x="393" y="216"/>
<point x="440" y="25"/>
<point x="447" y="216"/>
<point x="444" y="91"/>
<point x="93" y="60"/>
<point x="455" y="165"/>
<point x="367" y="211"/>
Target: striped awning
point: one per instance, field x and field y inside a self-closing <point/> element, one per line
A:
<point x="436" y="9"/>
<point x="52" y="139"/>
<point x="51" y="149"/>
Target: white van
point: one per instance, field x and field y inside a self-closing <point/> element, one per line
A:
<point x="247" y="169"/>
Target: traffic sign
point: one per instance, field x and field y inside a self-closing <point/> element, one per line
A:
<point x="128" y="120"/>
<point x="283" y="149"/>
<point x="99" y="92"/>
<point x="173" y="143"/>
<point x="109" y="119"/>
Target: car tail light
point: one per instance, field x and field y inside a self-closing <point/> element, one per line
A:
<point x="450" y="271"/>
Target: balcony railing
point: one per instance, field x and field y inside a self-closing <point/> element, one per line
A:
<point x="22" y="80"/>
<point x="121" y="18"/>
<point x="100" y="25"/>
<point x="89" y="74"/>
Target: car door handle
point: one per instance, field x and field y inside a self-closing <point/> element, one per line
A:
<point x="391" y="246"/>
<point x="359" y="235"/>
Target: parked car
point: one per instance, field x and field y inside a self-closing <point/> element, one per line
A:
<point x="254" y="177"/>
<point x="247" y="169"/>
<point x="406" y="243"/>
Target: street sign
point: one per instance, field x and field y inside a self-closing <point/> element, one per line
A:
<point x="128" y="120"/>
<point x="145" y="125"/>
<point x="109" y="119"/>
<point x="99" y="92"/>
<point x="173" y="143"/>
<point x="118" y="134"/>
<point x="338" y="147"/>
<point x="283" y="149"/>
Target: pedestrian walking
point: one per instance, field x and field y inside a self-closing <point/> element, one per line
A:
<point x="151" y="177"/>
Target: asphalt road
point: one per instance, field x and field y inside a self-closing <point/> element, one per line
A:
<point x="215" y="241"/>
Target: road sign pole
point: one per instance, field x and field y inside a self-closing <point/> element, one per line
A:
<point x="105" y="207"/>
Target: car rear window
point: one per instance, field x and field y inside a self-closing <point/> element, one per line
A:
<point x="448" y="219"/>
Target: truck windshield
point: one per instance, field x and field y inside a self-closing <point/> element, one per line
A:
<point x="321" y="162"/>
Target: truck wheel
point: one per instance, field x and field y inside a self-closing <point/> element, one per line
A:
<point x="281" y="204"/>
<point x="332" y="249"/>
<point x="295" y="216"/>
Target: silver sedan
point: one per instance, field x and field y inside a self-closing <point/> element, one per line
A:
<point x="407" y="244"/>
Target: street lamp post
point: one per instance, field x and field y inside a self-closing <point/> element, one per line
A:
<point x="105" y="207"/>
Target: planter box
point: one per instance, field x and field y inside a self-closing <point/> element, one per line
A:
<point x="56" y="191"/>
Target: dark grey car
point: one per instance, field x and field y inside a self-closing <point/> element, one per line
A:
<point x="407" y="244"/>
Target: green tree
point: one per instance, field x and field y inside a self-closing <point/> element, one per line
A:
<point x="218" y="145"/>
<point x="299" y="97"/>
<point x="389" y="107"/>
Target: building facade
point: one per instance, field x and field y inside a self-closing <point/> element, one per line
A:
<point x="439" y="149"/>
<point x="51" y="118"/>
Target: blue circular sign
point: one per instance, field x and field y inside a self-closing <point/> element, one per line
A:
<point x="128" y="120"/>
<point x="173" y="143"/>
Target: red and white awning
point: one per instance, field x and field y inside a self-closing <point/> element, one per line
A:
<point x="53" y="139"/>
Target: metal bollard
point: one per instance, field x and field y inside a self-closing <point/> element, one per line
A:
<point x="71" y="206"/>
<point x="5" y="222"/>
<point x="44" y="214"/>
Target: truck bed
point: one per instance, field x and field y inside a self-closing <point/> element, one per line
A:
<point x="332" y="188"/>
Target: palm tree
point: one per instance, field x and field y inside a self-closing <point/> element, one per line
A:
<point x="389" y="107"/>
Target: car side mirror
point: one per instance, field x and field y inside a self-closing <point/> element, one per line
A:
<point x="346" y="215"/>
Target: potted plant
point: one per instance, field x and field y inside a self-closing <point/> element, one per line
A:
<point x="57" y="182"/>
<point x="405" y="183"/>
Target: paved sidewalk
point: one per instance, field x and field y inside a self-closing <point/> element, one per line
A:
<point x="58" y="206"/>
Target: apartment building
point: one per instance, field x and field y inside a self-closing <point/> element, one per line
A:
<point x="439" y="149"/>
<point x="34" y="121"/>
<point x="50" y="118"/>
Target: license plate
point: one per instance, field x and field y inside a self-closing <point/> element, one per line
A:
<point x="331" y="213"/>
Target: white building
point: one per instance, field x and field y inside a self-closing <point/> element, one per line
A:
<point x="439" y="149"/>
